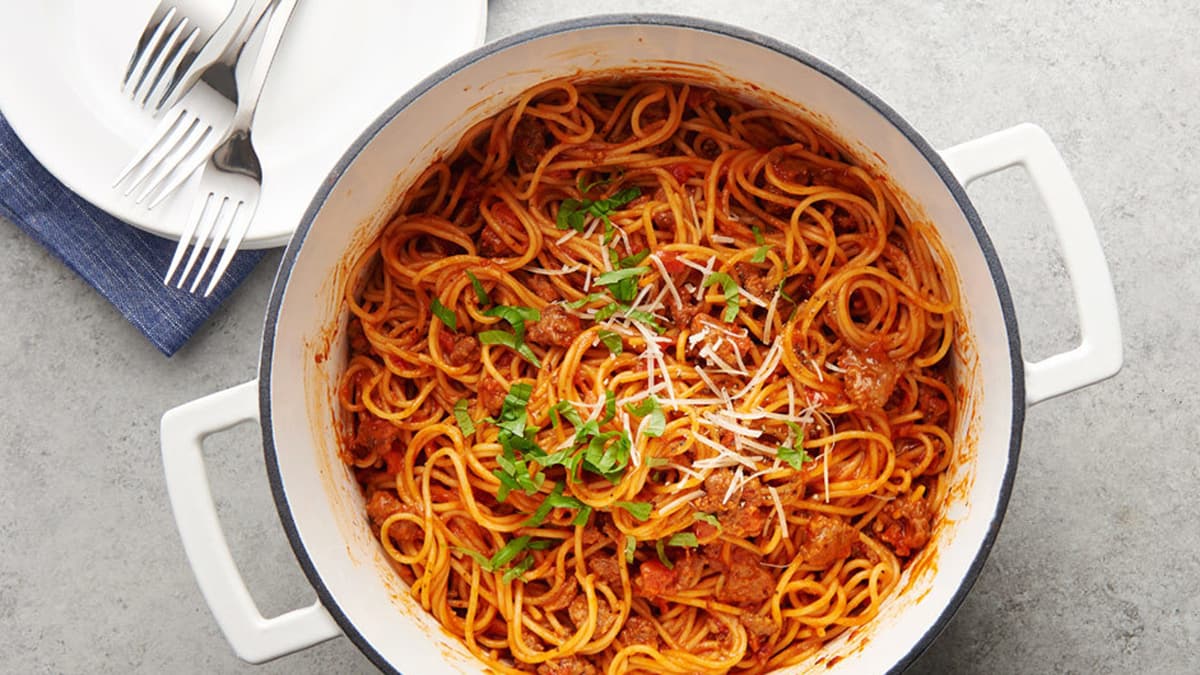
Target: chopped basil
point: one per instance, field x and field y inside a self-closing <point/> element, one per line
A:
<point x="730" y="288"/>
<point x="630" y="547"/>
<point x="612" y="277"/>
<point x="653" y="412"/>
<point x="480" y="293"/>
<point x="758" y="237"/>
<point x="639" y="510"/>
<point x="611" y="340"/>
<point x="576" y="304"/>
<point x="517" y="571"/>
<point x="599" y="182"/>
<point x="463" y="417"/>
<point x="760" y="254"/>
<point x="707" y="518"/>
<point x="445" y="314"/>
<point x="635" y="259"/>
<point x="504" y="556"/>
<point x="653" y="462"/>
<point x="581" y="518"/>
<point x="516" y="317"/>
<point x="555" y="500"/>
<point x="687" y="539"/>
<point x="515" y="435"/>
<point x="662" y="554"/>
<point x="795" y="456"/>
<point x="573" y="213"/>
<point x="610" y="405"/>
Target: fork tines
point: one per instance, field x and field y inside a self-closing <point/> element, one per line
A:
<point x="166" y="40"/>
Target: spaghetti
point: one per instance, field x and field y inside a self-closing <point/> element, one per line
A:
<point x="646" y="378"/>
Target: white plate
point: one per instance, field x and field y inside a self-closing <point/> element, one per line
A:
<point x="340" y="65"/>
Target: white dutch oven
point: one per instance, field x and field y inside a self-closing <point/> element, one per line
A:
<point x="303" y="346"/>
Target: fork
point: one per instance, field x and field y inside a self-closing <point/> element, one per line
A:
<point x="231" y="183"/>
<point x="177" y="34"/>
<point x="182" y="139"/>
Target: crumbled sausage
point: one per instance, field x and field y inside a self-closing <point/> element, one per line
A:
<point x="639" y="630"/>
<point x="383" y="505"/>
<point x="556" y="328"/>
<point x="606" y="569"/>
<point x="491" y="395"/>
<point x="870" y="376"/>
<point x="572" y="665"/>
<point x="654" y="579"/>
<point x="744" y="514"/>
<point x="578" y="611"/>
<point x="754" y="279"/>
<point x="905" y="524"/>
<point x="529" y="143"/>
<point x="746" y="581"/>
<point x="490" y="244"/>
<point x="458" y="349"/>
<point x="827" y="539"/>
<point x="375" y="435"/>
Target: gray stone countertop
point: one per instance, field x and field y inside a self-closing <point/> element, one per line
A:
<point x="1097" y="566"/>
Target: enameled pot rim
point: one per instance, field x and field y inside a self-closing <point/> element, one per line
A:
<point x="724" y="30"/>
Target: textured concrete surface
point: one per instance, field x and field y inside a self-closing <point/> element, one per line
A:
<point x="1097" y="566"/>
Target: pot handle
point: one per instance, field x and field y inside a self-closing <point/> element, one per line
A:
<point x="254" y="638"/>
<point x="1099" y="354"/>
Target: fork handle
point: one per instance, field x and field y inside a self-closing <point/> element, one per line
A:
<point x="279" y="12"/>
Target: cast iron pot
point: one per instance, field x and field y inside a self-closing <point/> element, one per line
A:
<point x="303" y="348"/>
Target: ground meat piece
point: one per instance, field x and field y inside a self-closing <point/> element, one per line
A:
<point x="747" y="581"/>
<point x="791" y="169"/>
<point x="747" y="510"/>
<point x="684" y="312"/>
<point x="606" y="569"/>
<point x="716" y="343"/>
<point x="375" y="435"/>
<point x="664" y="218"/>
<point x="491" y="395"/>
<point x="777" y="208"/>
<point x="459" y="350"/>
<point x="709" y="148"/>
<point x="827" y="539"/>
<point x="529" y="143"/>
<point x="933" y="405"/>
<point x="754" y="279"/>
<point x="556" y="328"/>
<point x="490" y="245"/>
<point x="569" y="666"/>
<point x="578" y="611"/>
<point x="905" y="524"/>
<point x="382" y="505"/>
<point x="356" y="336"/>
<point x="654" y="579"/>
<point x="759" y="625"/>
<point x="870" y="376"/>
<point x="836" y="176"/>
<point x="639" y="630"/>
<point x="541" y="287"/>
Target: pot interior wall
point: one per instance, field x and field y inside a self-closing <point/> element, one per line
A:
<point x="317" y="494"/>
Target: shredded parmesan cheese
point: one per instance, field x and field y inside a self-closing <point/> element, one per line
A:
<point x="783" y="529"/>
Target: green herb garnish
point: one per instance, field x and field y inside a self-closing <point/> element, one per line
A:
<point x="653" y="413"/>
<point x="730" y="288"/>
<point x="611" y="340"/>
<point x="463" y="417"/>
<point x="480" y="293"/>
<point x="687" y="539"/>
<point x="445" y="314"/>
<point x="707" y="518"/>
<point x="639" y="510"/>
<point x="795" y="456"/>
<point x="573" y="213"/>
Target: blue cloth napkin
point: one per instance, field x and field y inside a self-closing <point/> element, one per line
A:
<point x="122" y="262"/>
